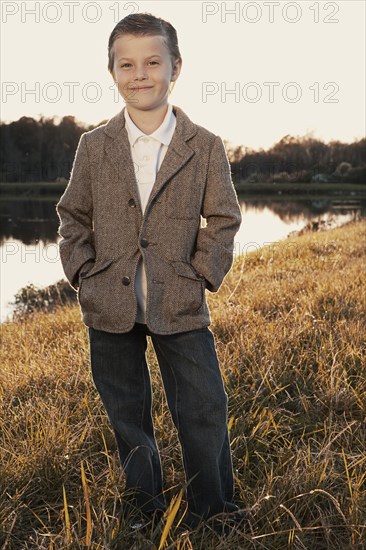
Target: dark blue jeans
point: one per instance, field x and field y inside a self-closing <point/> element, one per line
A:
<point x="198" y="404"/>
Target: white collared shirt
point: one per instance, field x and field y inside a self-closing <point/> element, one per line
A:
<point x="148" y="152"/>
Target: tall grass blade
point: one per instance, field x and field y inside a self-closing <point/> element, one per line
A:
<point x="87" y="507"/>
<point x="67" y="517"/>
<point x="171" y="513"/>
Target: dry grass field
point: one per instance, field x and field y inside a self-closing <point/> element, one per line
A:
<point x="290" y="328"/>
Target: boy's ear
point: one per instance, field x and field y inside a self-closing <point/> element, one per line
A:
<point x="176" y="69"/>
<point x="113" y="76"/>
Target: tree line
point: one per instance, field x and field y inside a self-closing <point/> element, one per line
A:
<point x="43" y="151"/>
<point x="300" y="159"/>
<point x="39" y="150"/>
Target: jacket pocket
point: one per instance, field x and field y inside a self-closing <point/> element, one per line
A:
<point x="98" y="267"/>
<point x="190" y="291"/>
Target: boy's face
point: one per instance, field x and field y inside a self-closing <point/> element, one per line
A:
<point x="143" y="71"/>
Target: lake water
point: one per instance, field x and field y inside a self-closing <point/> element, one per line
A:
<point x="28" y="235"/>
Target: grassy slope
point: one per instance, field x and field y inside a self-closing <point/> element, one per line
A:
<point x="290" y="327"/>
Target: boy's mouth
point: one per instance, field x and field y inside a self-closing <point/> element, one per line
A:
<point x="140" y="88"/>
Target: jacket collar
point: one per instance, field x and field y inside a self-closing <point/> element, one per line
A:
<point x="185" y="126"/>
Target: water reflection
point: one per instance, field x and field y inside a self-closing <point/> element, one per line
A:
<point x="306" y="209"/>
<point x="28" y="221"/>
<point x="33" y="221"/>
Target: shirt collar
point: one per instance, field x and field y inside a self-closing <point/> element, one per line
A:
<point x="163" y="134"/>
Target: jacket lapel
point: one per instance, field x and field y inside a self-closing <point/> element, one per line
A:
<point x="178" y="154"/>
<point x="117" y="149"/>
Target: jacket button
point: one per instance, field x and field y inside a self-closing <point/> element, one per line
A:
<point x="126" y="281"/>
<point x="132" y="203"/>
<point x="144" y="243"/>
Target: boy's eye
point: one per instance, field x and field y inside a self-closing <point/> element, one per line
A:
<point x="129" y="65"/>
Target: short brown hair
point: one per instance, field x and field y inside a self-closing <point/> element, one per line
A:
<point x="145" y="24"/>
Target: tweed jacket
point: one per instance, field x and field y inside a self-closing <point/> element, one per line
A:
<point x="104" y="232"/>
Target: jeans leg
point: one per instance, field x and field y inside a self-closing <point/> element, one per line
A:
<point x="122" y="378"/>
<point x="198" y="404"/>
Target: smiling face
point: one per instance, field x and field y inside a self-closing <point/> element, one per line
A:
<point x="143" y="70"/>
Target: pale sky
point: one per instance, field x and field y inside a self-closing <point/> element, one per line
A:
<point x="310" y="51"/>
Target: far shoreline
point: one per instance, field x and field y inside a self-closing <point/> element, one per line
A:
<point x="44" y="190"/>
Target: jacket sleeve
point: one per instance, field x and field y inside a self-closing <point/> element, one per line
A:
<point x="75" y="210"/>
<point x="215" y="243"/>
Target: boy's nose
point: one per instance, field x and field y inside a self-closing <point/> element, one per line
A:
<point x="140" y="73"/>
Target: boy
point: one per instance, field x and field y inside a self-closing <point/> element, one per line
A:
<point x="133" y="246"/>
